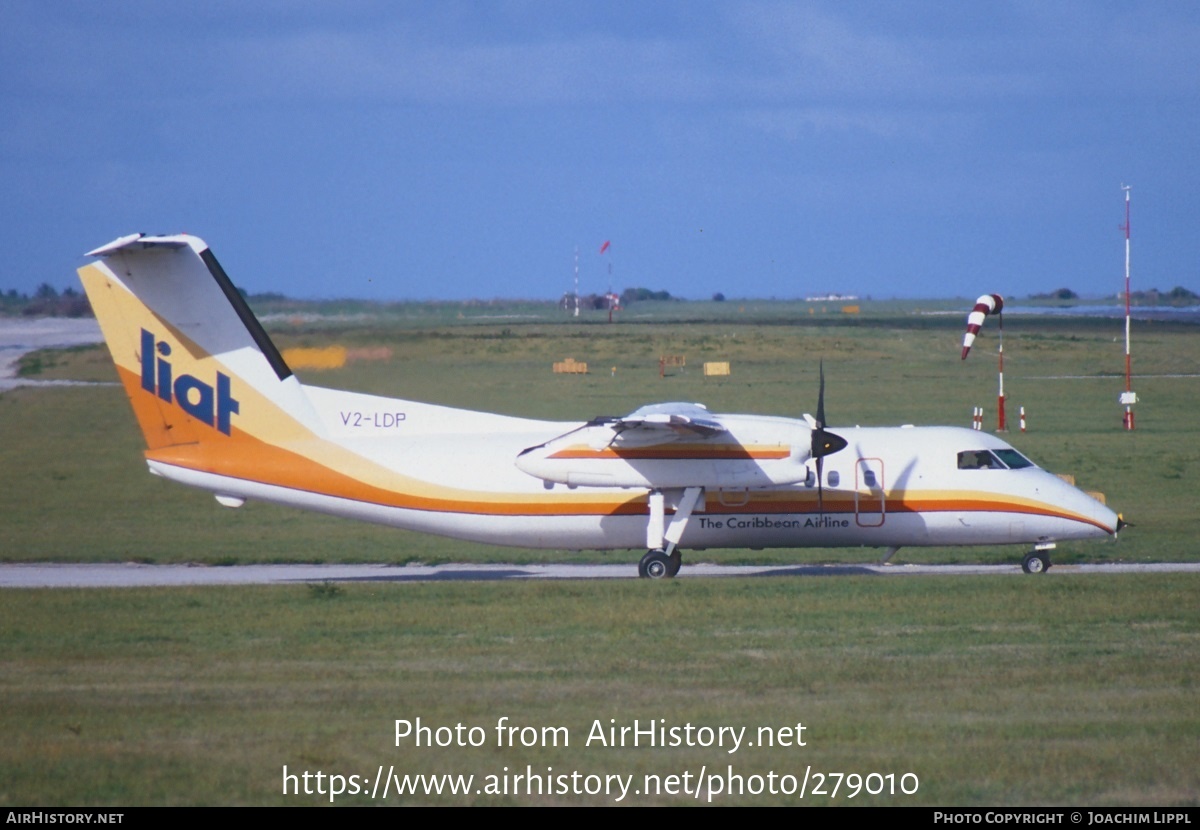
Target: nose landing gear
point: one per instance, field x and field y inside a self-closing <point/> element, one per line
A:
<point x="1037" y="561"/>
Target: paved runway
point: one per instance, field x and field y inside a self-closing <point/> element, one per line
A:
<point x="21" y="335"/>
<point x="135" y="575"/>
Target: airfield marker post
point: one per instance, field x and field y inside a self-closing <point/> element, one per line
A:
<point x="1001" y="426"/>
<point x="1128" y="398"/>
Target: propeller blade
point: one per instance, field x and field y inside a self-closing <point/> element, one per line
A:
<point x="824" y="442"/>
<point x="820" y="485"/>
<point x="821" y="398"/>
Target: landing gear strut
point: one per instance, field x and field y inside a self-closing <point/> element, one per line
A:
<point x="658" y="564"/>
<point x="662" y="560"/>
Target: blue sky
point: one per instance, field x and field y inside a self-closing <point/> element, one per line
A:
<point x="447" y="150"/>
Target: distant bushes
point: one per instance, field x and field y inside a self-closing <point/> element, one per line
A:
<point x="1060" y="294"/>
<point x="634" y="295"/>
<point x="45" y="302"/>
<point x="1177" y="296"/>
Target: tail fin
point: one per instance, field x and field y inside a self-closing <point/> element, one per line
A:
<point x="189" y="351"/>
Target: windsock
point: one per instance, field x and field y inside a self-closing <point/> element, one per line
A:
<point x="984" y="306"/>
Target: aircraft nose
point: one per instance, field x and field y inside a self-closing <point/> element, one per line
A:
<point x="1111" y="521"/>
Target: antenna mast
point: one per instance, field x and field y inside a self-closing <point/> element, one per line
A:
<point x="1128" y="397"/>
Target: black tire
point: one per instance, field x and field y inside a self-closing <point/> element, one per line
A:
<point x="655" y="565"/>
<point x="1035" y="563"/>
<point x="675" y="560"/>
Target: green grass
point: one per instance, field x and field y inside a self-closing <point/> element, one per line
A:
<point x="997" y="691"/>
<point x="75" y="487"/>
<point x="993" y="691"/>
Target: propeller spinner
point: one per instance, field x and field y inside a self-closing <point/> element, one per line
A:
<point x="824" y="442"/>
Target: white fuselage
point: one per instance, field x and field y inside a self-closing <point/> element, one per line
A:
<point x="890" y="487"/>
<point x="220" y="409"/>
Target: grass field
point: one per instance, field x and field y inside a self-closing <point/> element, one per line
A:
<point x="1072" y="690"/>
<point x="992" y="690"/>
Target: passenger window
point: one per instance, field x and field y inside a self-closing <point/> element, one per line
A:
<point x="834" y="478"/>
<point x="869" y="478"/>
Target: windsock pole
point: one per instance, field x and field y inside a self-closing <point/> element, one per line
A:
<point x="608" y="244"/>
<point x="985" y="305"/>
<point x="1128" y="398"/>
<point x="1001" y="426"/>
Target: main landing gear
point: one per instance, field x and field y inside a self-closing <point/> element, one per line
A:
<point x="662" y="560"/>
<point x="658" y="564"/>
<point x="1037" y="561"/>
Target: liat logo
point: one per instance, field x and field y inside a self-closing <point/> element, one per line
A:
<point x="193" y="395"/>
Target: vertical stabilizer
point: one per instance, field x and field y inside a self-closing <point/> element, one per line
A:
<point x="196" y="364"/>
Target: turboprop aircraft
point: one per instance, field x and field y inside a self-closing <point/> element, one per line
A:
<point x="221" y="410"/>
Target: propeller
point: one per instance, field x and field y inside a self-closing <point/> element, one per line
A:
<point x="824" y="442"/>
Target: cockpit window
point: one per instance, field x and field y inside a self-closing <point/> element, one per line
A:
<point x="979" y="460"/>
<point x="1014" y="459"/>
<point x="1008" y="459"/>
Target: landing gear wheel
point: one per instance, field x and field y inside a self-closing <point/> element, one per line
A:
<point x="1035" y="562"/>
<point x="673" y="562"/>
<point x="655" y="565"/>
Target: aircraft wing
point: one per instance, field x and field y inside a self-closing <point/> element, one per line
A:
<point x="660" y="424"/>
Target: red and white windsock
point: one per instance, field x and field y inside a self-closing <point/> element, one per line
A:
<point x="985" y="305"/>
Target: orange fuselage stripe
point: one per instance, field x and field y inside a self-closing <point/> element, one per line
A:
<point x="698" y="452"/>
<point x="244" y="457"/>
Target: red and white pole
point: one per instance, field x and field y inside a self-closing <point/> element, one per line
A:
<point x="1128" y="398"/>
<point x="1022" y="419"/>
<point x="1001" y="426"/>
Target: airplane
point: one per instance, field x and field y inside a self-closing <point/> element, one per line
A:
<point x="221" y="410"/>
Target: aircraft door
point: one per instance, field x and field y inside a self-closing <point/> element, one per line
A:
<point x="869" y="506"/>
